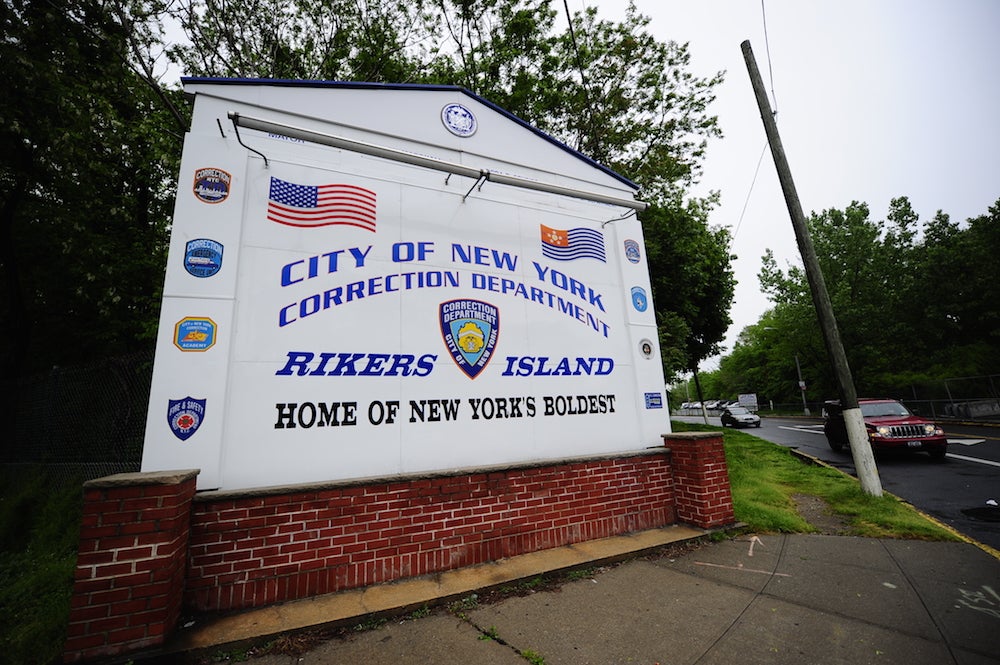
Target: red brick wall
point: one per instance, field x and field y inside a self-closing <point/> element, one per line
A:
<point x="250" y="550"/>
<point x="131" y="563"/>
<point x="703" y="494"/>
<point x="148" y="542"/>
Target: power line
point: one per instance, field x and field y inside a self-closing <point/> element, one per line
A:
<point x="774" y="105"/>
<point x="579" y="67"/>
<point x="767" y="48"/>
<point x="746" y="202"/>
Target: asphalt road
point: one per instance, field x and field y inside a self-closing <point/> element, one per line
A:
<point x="954" y="492"/>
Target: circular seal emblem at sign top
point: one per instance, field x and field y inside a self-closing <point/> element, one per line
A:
<point x="459" y="120"/>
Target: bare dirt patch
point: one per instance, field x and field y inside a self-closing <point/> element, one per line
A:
<point x="817" y="512"/>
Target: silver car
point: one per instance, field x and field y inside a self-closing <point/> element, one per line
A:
<point x="739" y="416"/>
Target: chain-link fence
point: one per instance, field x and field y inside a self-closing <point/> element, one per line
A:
<point x="84" y="421"/>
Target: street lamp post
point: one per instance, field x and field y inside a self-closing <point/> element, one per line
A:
<point x="802" y="386"/>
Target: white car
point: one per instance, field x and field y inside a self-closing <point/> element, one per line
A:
<point x="740" y="416"/>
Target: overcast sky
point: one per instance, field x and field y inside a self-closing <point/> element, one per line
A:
<point x="875" y="98"/>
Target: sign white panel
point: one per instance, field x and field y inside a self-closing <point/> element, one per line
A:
<point x="375" y="318"/>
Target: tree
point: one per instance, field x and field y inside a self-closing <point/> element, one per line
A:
<point x="333" y="40"/>
<point x="88" y="153"/>
<point x="915" y="303"/>
<point x="692" y="282"/>
<point x="610" y="90"/>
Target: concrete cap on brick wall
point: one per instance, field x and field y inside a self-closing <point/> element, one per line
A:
<point x="691" y="435"/>
<point x="150" y="478"/>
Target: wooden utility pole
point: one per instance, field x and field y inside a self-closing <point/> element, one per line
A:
<point x="857" y="435"/>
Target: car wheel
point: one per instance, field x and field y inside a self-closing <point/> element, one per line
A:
<point x="938" y="454"/>
<point x="758" y="424"/>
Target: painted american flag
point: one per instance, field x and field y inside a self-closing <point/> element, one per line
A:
<point x="572" y="244"/>
<point x="320" y="205"/>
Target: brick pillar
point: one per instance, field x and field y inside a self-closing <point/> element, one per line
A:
<point x="701" y="480"/>
<point x="131" y="563"/>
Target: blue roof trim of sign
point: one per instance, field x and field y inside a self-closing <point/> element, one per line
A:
<point x="410" y="86"/>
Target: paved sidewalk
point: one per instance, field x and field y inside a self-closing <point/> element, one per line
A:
<point x="772" y="599"/>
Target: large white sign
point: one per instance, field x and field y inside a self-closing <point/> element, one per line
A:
<point x="331" y="314"/>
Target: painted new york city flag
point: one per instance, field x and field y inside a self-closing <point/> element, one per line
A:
<point x="572" y="244"/>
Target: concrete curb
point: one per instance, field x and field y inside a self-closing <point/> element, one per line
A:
<point x="345" y="608"/>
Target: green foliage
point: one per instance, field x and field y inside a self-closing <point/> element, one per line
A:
<point x="533" y="657"/>
<point x="39" y="531"/>
<point x="421" y="612"/>
<point x="581" y="574"/>
<point x="89" y="149"/>
<point x="370" y="623"/>
<point x="610" y="90"/>
<point x="764" y="476"/>
<point x="915" y="304"/>
<point x="692" y="280"/>
<point x="88" y="153"/>
<point x="490" y="634"/>
<point x="460" y="606"/>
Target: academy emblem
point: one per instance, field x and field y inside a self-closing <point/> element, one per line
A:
<point x="194" y="333"/>
<point x="470" y="329"/>
<point x="185" y="416"/>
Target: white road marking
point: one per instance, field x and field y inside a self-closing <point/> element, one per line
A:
<point x="966" y="442"/>
<point x="974" y="459"/>
<point x="804" y="428"/>
<point x="741" y="568"/>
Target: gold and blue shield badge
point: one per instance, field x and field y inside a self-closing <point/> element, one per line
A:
<point x="470" y="329"/>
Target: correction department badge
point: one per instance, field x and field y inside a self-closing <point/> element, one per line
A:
<point x="470" y="329"/>
<point x="211" y="185"/>
<point x="185" y="416"/>
<point x="202" y="257"/>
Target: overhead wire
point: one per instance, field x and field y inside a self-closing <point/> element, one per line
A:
<point x="774" y="111"/>
<point x="579" y="67"/>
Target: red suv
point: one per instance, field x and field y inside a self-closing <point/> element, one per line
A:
<point x="889" y="425"/>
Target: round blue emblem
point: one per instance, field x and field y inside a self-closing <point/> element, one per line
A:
<point x="459" y="120"/>
<point x="202" y="257"/>
<point x="639" y="299"/>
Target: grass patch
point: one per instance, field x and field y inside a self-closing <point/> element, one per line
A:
<point x="764" y="476"/>
<point x="39" y="532"/>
